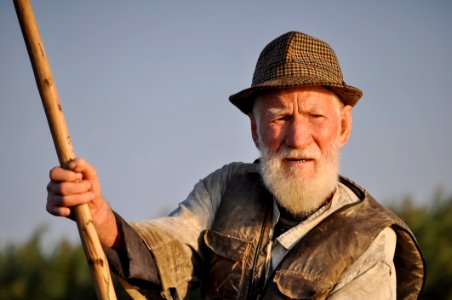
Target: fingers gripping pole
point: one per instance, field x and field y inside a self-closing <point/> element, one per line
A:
<point x="44" y="79"/>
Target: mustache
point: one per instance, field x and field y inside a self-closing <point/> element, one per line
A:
<point x="288" y="153"/>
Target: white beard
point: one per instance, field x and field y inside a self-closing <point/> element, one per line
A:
<point x="297" y="194"/>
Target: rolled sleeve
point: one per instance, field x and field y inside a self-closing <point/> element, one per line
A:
<point x="132" y="259"/>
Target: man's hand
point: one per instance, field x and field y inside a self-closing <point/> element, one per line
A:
<point x="78" y="184"/>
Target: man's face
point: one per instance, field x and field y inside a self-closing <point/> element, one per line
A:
<point x="299" y="132"/>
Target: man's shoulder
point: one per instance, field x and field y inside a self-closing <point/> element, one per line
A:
<point x="352" y="187"/>
<point x="367" y="205"/>
<point x="234" y="168"/>
<point x="222" y="177"/>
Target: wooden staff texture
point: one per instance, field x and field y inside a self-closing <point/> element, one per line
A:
<point x="95" y="256"/>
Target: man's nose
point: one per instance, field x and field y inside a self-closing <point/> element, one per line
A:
<point x="298" y="134"/>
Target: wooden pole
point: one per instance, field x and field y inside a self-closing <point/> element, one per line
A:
<point x="95" y="256"/>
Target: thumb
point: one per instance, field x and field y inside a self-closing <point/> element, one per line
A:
<point x="80" y="165"/>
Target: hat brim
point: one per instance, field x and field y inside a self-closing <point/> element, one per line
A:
<point x="244" y="99"/>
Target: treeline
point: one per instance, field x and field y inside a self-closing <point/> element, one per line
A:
<point x="29" y="272"/>
<point x="432" y="226"/>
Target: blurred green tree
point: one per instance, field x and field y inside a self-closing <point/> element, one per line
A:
<point x="432" y="226"/>
<point x="28" y="271"/>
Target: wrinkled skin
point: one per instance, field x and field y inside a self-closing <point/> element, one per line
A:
<point x="301" y="119"/>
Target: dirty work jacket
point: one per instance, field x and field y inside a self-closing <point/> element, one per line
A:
<point x="229" y="259"/>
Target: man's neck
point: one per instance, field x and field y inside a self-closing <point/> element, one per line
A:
<point x="287" y="220"/>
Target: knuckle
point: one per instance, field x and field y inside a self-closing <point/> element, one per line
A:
<point x="49" y="208"/>
<point x="52" y="173"/>
<point x="63" y="189"/>
<point x="53" y="187"/>
<point x="88" y="185"/>
<point x="57" y="201"/>
<point x="52" y="209"/>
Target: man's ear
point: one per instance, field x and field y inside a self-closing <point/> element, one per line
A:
<point x="254" y="133"/>
<point x="346" y="124"/>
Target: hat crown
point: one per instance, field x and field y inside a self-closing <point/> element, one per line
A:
<point x="296" y="59"/>
<point x="297" y="55"/>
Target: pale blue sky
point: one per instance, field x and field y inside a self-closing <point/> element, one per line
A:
<point x="144" y="85"/>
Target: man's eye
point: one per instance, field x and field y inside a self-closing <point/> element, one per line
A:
<point x="281" y="118"/>
<point x="316" y="116"/>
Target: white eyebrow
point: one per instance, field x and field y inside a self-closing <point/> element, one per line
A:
<point x="275" y="111"/>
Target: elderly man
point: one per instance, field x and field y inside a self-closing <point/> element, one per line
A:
<point x="284" y="227"/>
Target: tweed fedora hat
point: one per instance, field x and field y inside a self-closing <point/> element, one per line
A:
<point x="296" y="59"/>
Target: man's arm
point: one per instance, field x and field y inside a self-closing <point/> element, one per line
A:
<point x="171" y="243"/>
<point x="174" y="243"/>
<point x="128" y="256"/>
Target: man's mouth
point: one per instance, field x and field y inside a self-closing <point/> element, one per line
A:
<point x="299" y="160"/>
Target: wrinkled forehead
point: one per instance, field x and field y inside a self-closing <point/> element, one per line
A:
<point x="314" y="97"/>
